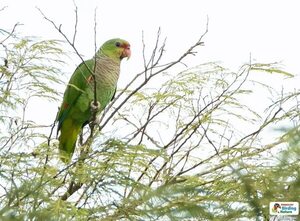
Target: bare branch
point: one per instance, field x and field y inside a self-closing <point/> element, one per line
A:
<point x="73" y="187"/>
<point x="96" y="104"/>
<point x="76" y="22"/>
<point x="153" y="74"/>
<point x="58" y="28"/>
<point x="11" y="33"/>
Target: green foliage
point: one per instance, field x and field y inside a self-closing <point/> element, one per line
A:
<point x="30" y="69"/>
<point x="271" y="68"/>
<point x="188" y="149"/>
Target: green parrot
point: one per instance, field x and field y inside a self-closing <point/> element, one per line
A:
<point x="75" y="111"/>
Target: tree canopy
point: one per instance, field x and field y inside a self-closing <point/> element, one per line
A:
<point x="173" y="145"/>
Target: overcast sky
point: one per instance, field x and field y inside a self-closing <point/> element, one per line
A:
<point x="269" y="30"/>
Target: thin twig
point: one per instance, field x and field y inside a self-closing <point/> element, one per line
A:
<point x="59" y="29"/>
<point x="76" y="23"/>
<point x="164" y="68"/>
<point x="10" y="33"/>
<point x="96" y="104"/>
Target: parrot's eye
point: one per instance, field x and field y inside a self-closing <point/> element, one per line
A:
<point x="118" y="44"/>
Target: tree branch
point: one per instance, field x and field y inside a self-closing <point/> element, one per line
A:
<point x="153" y="74"/>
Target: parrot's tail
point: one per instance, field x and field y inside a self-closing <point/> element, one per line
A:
<point x="69" y="132"/>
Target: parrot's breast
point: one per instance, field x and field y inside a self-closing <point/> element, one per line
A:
<point x="107" y="73"/>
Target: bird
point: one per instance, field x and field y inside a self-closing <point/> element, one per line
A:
<point x="76" y="108"/>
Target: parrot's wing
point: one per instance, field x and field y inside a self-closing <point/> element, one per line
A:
<point x="77" y="85"/>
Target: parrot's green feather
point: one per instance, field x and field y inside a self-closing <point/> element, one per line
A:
<point x="75" y="109"/>
<point x="76" y="86"/>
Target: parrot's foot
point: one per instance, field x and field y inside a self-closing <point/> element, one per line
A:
<point x="95" y="122"/>
<point x="95" y="107"/>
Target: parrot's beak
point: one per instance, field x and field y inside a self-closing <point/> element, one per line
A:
<point x="126" y="53"/>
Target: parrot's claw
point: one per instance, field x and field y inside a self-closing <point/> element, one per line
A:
<point x="94" y="107"/>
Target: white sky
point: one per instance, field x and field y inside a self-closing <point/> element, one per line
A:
<point x="269" y="30"/>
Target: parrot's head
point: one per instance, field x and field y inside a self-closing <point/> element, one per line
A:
<point x="116" y="48"/>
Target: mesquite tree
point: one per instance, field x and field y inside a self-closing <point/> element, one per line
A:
<point x="187" y="146"/>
